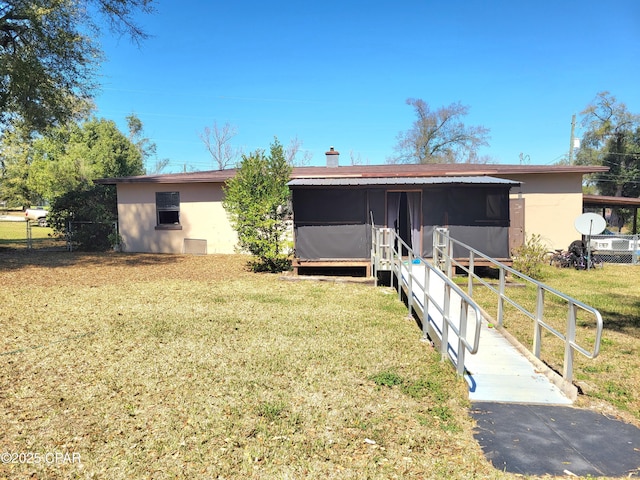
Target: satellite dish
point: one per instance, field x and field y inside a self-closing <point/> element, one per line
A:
<point x="590" y="224"/>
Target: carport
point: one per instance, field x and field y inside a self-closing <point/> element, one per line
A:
<point x="602" y="202"/>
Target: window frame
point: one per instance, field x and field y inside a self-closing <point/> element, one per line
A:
<point x="168" y="202"/>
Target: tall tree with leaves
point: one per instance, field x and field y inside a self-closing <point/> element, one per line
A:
<point x="48" y="56"/>
<point x="257" y="200"/>
<point x="612" y="139"/>
<point x="440" y="136"/>
<point x="71" y="157"/>
<point x="15" y="163"/>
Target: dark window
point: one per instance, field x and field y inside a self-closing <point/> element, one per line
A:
<point x="495" y="206"/>
<point x="478" y="206"/>
<point x="336" y="205"/>
<point x="168" y="208"/>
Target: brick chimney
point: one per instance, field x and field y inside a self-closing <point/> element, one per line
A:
<point x="333" y="158"/>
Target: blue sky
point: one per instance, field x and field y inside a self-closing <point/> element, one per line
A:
<point x="338" y="73"/>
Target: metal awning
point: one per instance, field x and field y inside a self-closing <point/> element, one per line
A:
<point x="394" y="181"/>
<point x="603" y="201"/>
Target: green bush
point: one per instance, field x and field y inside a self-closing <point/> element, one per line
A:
<point x="530" y="257"/>
<point x="257" y="200"/>
<point x="91" y="213"/>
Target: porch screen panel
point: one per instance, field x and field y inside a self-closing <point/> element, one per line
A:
<point x="478" y="206"/>
<point x="330" y="242"/>
<point x="434" y="206"/>
<point x="492" y="241"/>
<point x="427" y="240"/>
<point x="376" y="198"/>
<point x="331" y="223"/>
<point x="337" y="206"/>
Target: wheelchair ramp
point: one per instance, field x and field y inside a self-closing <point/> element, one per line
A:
<point x="499" y="372"/>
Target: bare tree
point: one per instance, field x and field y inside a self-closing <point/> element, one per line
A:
<point x="356" y="158"/>
<point x="217" y="141"/>
<point x="291" y="153"/>
<point x="439" y="136"/>
<point x="158" y="166"/>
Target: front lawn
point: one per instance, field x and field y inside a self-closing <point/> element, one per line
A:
<point x="159" y="366"/>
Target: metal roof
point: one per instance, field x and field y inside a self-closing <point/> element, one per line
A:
<point x="213" y="176"/>
<point x="371" y="181"/>
<point x="439" y="170"/>
<point x="370" y="171"/>
<point x="601" y="200"/>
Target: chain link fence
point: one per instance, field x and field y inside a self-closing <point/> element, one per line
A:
<point x="616" y="248"/>
<point x="16" y="232"/>
<point x="92" y="236"/>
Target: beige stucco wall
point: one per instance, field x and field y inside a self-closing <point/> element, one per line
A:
<point x="552" y="203"/>
<point x="201" y="217"/>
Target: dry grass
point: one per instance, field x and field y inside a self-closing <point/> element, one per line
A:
<point x="152" y="366"/>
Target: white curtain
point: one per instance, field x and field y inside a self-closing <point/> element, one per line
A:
<point x="413" y="202"/>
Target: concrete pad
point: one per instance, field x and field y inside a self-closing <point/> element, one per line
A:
<point x="556" y="440"/>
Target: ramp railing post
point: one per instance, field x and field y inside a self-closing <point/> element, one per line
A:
<point x="375" y="253"/>
<point x="461" y="336"/>
<point x="434" y="244"/>
<point x="425" y="303"/>
<point x="444" y="346"/>
<point x="537" y="328"/>
<point x="570" y="339"/>
<point x="501" y="294"/>
<point x="392" y="256"/>
<point x="410" y="283"/>
<point x="397" y="262"/>
<point x="470" y="274"/>
<point x="449" y="255"/>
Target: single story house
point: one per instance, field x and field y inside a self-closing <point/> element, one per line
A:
<point x="174" y="213"/>
<point x="183" y="213"/>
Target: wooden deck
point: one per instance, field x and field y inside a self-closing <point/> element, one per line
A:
<point x="329" y="264"/>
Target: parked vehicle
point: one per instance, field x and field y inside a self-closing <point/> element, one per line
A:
<point x="37" y="215"/>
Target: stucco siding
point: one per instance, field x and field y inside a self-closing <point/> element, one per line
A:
<point x="552" y="203"/>
<point x="202" y="217"/>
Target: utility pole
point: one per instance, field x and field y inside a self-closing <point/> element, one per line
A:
<point x="573" y="131"/>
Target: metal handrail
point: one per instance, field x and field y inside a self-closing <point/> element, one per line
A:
<point x="415" y="288"/>
<point x="442" y="254"/>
